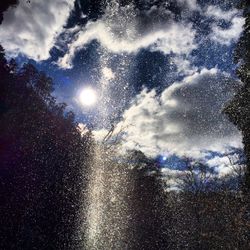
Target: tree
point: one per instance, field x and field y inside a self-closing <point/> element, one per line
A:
<point x="198" y="177"/>
<point x="205" y="215"/>
<point x="150" y="218"/>
<point x="44" y="161"/>
<point x="238" y="109"/>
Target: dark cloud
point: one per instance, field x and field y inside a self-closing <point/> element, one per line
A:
<point x="4" y="5"/>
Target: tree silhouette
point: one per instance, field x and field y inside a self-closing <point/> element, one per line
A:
<point x="238" y="109"/>
<point x="150" y="217"/>
<point x="44" y="161"/>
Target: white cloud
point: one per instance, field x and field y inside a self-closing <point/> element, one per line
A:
<point x="185" y="119"/>
<point x="107" y="73"/>
<point x="100" y="134"/>
<point x="169" y="39"/>
<point x="190" y="4"/>
<point x="32" y="27"/>
<point x="222" y="165"/>
<point x="184" y="66"/>
<point x="227" y="36"/>
<point x="123" y="30"/>
<point x="217" y="13"/>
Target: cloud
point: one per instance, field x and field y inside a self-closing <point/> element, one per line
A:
<point x="100" y="134"/>
<point x="108" y="74"/>
<point x="123" y="30"/>
<point x="190" y="4"/>
<point x="32" y="27"/>
<point x="218" y="14"/>
<point x="168" y="40"/>
<point x="222" y="165"/>
<point x="126" y="29"/>
<point x="186" y="118"/>
<point x="227" y="36"/>
<point x="184" y="66"/>
<point x="230" y="34"/>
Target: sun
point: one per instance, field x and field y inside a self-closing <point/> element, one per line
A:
<point x="88" y="96"/>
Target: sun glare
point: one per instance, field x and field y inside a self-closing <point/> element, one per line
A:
<point x="88" y="97"/>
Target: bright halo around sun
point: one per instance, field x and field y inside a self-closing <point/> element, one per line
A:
<point x="88" y="96"/>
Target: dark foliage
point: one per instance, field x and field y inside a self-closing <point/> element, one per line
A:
<point x="43" y="158"/>
<point x="198" y="216"/>
<point x="148" y="208"/>
<point x="208" y="220"/>
<point x="238" y="109"/>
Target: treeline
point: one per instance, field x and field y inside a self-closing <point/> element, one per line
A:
<point x="134" y="207"/>
<point x="43" y="161"/>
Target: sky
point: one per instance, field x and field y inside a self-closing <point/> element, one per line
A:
<point x="163" y="70"/>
